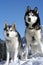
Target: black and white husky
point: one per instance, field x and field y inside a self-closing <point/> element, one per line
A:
<point x="13" y="42"/>
<point x="33" y="30"/>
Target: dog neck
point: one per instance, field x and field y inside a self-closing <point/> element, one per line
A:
<point x="8" y="40"/>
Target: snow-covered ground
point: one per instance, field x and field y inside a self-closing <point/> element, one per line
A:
<point x="36" y="59"/>
<point x="32" y="61"/>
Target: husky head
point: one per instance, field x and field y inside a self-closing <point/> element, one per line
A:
<point x="31" y="16"/>
<point x="9" y="31"/>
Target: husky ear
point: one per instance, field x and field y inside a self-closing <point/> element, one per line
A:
<point x="5" y="24"/>
<point x="36" y="10"/>
<point x="14" y="26"/>
<point x="28" y="8"/>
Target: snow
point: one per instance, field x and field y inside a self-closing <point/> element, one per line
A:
<point x="31" y="61"/>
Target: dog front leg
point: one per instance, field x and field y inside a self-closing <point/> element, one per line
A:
<point x="7" y="59"/>
<point x="26" y="54"/>
<point x="15" y="55"/>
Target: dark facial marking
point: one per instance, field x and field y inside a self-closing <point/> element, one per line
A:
<point x="7" y="34"/>
<point x="8" y="27"/>
<point x="29" y="19"/>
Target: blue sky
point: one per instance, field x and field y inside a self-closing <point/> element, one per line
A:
<point x="13" y="11"/>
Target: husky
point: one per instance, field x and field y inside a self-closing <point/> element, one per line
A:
<point x="33" y="30"/>
<point x="13" y="42"/>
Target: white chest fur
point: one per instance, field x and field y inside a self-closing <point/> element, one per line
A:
<point x="12" y="44"/>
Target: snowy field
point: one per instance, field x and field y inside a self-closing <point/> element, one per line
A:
<point x="32" y="61"/>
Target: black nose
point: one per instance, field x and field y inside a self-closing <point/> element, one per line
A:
<point x="7" y="34"/>
<point x="29" y="19"/>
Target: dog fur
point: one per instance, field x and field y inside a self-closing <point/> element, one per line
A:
<point x="13" y="42"/>
<point x="33" y="30"/>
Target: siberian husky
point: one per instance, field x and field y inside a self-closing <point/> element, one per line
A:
<point x="33" y="30"/>
<point x="13" y="42"/>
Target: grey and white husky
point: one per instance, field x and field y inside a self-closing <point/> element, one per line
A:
<point x="33" y="30"/>
<point x="13" y="42"/>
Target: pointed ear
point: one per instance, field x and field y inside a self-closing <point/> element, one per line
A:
<point x="14" y="26"/>
<point x="36" y="10"/>
<point x="28" y="8"/>
<point x="5" y="24"/>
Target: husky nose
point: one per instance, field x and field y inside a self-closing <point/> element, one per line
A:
<point x="7" y="34"/>
<point x="29" y="19"/>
